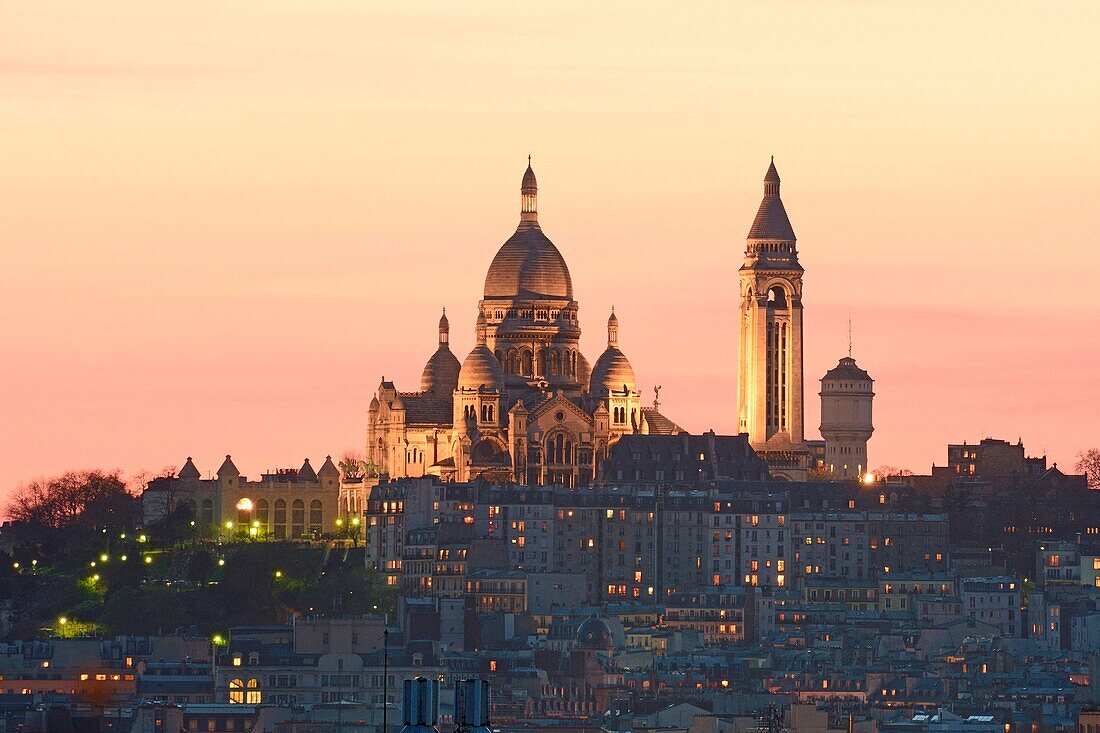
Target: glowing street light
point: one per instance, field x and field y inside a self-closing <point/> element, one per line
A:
<point x="96" y="577"/>
<point x="123" y="558"/>
<point x="104" y="558"/>
<point x="142" y="538"/>
<point x="278" y="573"/>
<point x="221" y="562"/>
<point x="15" y="565"/>
<point x="148" y="559"/>
<point x="62" y="620"/>
<point x="229" y="525"/>
<point x="355" y="521"/>
<point x="339" y="522"/>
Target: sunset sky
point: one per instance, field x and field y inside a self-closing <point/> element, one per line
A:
<point x="223" y="222"/>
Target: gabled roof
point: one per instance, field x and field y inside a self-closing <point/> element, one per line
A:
<point x="227" y="468"/>
<point x="189" y="472"/>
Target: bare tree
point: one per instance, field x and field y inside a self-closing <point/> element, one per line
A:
<point x="885" y="471"/>
<point x="1088" y="463"/>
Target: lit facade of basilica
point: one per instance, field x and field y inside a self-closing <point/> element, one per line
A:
<point x="524" y="405"/>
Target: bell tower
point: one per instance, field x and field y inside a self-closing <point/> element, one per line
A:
<point x="769" y="379"/>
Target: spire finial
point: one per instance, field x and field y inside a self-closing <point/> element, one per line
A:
<point x="849" y="336"/>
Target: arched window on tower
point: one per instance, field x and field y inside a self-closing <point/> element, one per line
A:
<point x="526" y="363"/>
<point x="555" y="362"/>
<point x="316" y="516"/>
<point x="777" y="297"/>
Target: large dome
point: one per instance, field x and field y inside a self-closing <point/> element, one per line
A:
<point x="612" y="372"/>
<point x="528" y="265"/>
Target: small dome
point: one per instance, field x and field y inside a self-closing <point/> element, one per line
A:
<point x="612" y="372"/>
<point x="441" y="372"/>
<point x="612" y="320"/>
<point x="444" y="324"/>
<point x="594" y="633"/>
<point x="481" y="369"/>
<point x="847" y="369"/>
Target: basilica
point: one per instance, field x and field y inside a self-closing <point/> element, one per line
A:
<point x="525" y="405"/>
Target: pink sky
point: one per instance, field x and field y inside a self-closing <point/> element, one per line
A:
<point x="222" y="223"/>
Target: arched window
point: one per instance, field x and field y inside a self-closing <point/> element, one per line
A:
<point x="297" y="518"/>
<point x="316" y="516"/>
<point x="555" y="362"/>
<point x="244" y="512"/>
<point x="559" y="450"/>
<point x="777" y="297"/>
<point x="280" y="519"/>
<point x="526" y="364"/>
<point x="262" y="509"/>
<point x="207" y="512"/>
<point x="236" y="691"/>
<point x="252" y="694"/>
<point x="491" y="413"/>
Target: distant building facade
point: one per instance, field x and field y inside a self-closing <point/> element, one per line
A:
<point x="287" y="504"/>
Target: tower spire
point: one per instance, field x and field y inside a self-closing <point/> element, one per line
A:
<point x="849" y="337"/>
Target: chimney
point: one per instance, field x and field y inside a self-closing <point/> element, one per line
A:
<point x="472" y="706"/>
<point x="421" y="706"/>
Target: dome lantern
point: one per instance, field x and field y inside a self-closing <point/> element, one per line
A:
<point x="529" y="194"/>
<point x="444" y="329"/>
